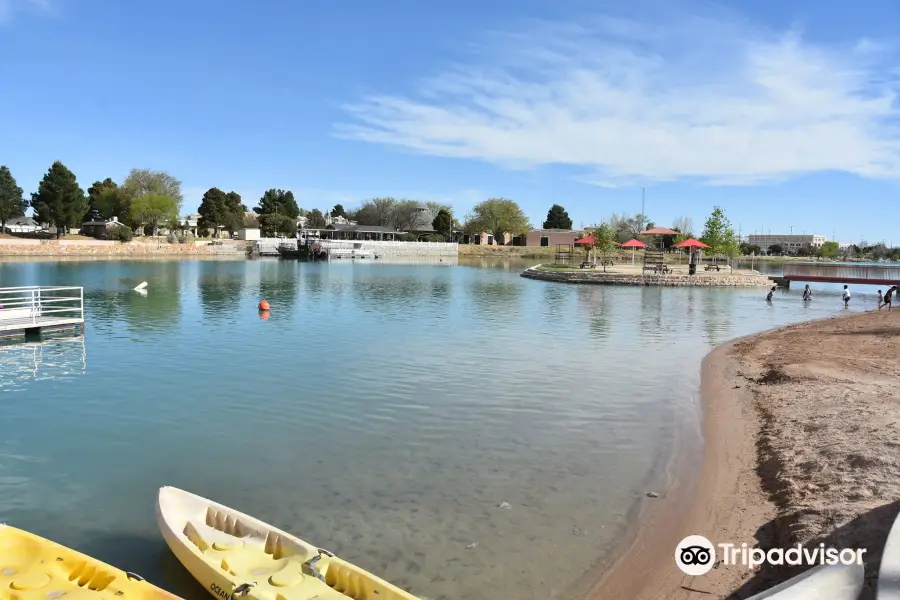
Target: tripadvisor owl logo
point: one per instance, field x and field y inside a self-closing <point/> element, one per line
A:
<point x="695" y="555"/>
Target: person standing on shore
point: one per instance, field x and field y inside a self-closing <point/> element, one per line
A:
<point x="770" y="294"/>
<point x="888" y="297"/>
<point x="807" y="293"/>
<point x="881" y="299"/>
<point x="846" y="297"/>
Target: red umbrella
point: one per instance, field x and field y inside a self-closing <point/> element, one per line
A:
<point x="691" y="243"/>
<point x="589" y="240"/>
<point x="634" y="244"/>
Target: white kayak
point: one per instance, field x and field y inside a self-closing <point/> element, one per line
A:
<point x="235" y="555"/>
<point x="824" y="582"/>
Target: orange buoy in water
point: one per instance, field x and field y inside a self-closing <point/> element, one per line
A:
<point x="263" y="305"/>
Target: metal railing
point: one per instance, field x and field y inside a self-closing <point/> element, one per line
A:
<point x="841" y="272"/>
<point x="383" y="248"/>
<point x="41" y="303"/>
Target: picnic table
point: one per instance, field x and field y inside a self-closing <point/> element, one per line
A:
<point x="658" y="268"/>
<point x="711" y="266"/>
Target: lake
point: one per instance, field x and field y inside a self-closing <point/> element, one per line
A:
<point x="382" y="411"/>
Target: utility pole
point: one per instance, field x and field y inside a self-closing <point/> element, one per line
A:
<point x="792" y="230"/>
<point x="643" y="198"/>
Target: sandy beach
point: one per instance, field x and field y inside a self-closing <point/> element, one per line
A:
<point x="801" y="438"/>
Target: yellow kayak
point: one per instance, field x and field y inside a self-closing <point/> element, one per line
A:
<point x="234" y="555"/>
<point x="32" y="568"/>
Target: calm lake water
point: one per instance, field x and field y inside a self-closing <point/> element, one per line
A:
<point x="381" y="411"/>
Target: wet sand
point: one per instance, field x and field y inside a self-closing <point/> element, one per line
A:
<point x="802" y="445"/>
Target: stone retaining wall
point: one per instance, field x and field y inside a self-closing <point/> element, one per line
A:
<point x="25" y="247"/>
<point x="596" y="277"/>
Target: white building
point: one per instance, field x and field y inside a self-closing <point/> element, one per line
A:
<point x="21" y="225"/>
<point x="338" y="220"/>
<point x="329" y="220"/>
<point x="790" y="243"/>
<point x="248" y="233"/>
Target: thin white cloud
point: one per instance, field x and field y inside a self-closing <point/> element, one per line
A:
<point x="10" y="8"/>
<point x="711" y="100"/>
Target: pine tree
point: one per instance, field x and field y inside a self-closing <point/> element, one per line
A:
<point x="59" y="200"/>
<point x="12" y="203"/>
<point x="557" y="218"/>
<point x="213" y="210"/>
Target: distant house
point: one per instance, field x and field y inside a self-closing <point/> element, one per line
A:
<point x="302" y="221"/>
<point x="546" y="237"/>
<point x="189" y="223"/>
<point x="99" y="228"/>
<point x="248" y="233"/>
<point x="358" y="232"/>
<point x="22" y="225"/>
<point x="486" y="239"/>
<point x="338" y="220"/>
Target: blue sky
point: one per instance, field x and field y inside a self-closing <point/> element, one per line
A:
<point x="784" y="114"/>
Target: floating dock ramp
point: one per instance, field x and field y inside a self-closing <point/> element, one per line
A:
<point x="33" y="309"/>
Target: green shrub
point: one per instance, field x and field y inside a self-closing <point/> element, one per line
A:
<point x="187" y="238"/>
<point x="119" y="233"/>
<point x="171" y="238"/>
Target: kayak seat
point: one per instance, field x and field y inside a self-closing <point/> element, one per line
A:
<point x="246" y="563"/>
<point x="17" y="554"/>
<point x="203" y="536"/>
<point x="290" y="574"/>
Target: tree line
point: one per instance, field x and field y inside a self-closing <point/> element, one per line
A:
<point x="148" y="200"/>
<point x="145" y="199"/>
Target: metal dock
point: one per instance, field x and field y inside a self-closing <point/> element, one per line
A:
<point x="887" y="274"/>
<point x="33" y="309"/>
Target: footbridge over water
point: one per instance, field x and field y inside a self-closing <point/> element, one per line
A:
<point x="840" y="273"/>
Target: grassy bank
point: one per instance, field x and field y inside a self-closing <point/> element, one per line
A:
<point x="507" y="251"/>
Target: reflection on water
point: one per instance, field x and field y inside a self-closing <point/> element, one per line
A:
<point x="718" y="312"/>
<point x="221" y="289"/>
<point x="598" y="309"/>
<point x="382" y="410"/>
<point x="495" y="300"/>
<point x="22" y="363"/>
<point x="651" y="319"/>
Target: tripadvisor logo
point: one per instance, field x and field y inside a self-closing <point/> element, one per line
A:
<point x="695" y="555"/>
